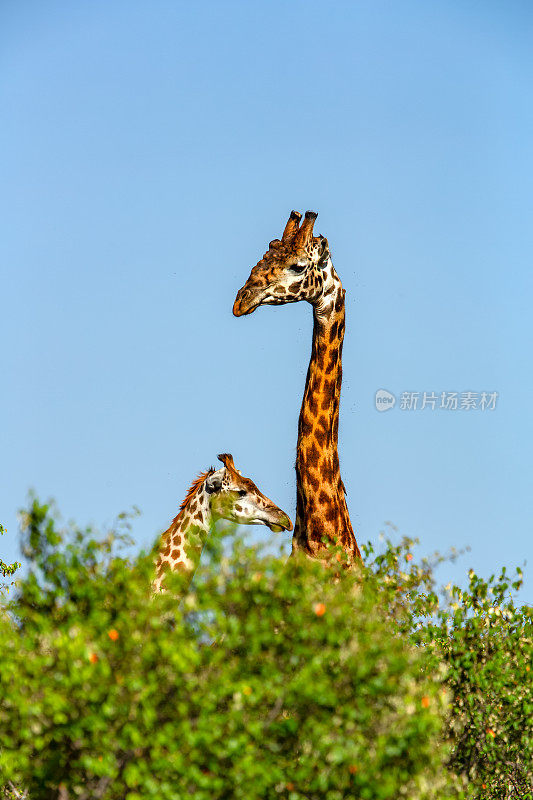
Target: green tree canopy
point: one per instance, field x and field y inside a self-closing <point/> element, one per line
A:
<point x="264" y="679"/>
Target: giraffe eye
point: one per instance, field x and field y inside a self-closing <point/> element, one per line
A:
<point x="297" y="268"/>
<point x="241" y="492"/>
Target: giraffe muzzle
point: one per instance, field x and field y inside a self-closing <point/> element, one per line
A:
<point x="283" y="523"/>
<point x="244" y="303"/>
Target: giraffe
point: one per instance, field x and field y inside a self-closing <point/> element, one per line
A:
<point x="299" y="267"/>
<point x="213" y="495"/>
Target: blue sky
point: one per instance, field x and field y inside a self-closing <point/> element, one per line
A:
<point x="150" y="151"/>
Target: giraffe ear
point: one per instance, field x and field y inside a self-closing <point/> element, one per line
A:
<point x="324" y="254"/>
<point x="213" y="482"/>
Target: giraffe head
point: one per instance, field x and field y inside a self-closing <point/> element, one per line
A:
<point x="294" y="268"/>
<point x="216" y="494"/>
<point x="236" y="498"/>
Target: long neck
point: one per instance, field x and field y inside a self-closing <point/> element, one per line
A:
<point x="321" y="505"/>
<point x="182" y="543"/>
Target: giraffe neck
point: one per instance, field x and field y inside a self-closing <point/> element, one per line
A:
<point x="321" y="505"/>
<point x="182" y="543"/>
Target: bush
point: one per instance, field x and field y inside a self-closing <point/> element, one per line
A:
<point x="265" y="680"/>
<point x="484" y="642"/>
<point x="262" y="680"/>
<point x="7" y="570"/>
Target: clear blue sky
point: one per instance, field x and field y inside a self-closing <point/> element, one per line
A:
<point x="149" y="152"/>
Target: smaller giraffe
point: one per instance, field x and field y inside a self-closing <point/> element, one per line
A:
<point x="215" y="494"/>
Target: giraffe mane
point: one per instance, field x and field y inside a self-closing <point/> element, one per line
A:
<point x="195" y="485"/>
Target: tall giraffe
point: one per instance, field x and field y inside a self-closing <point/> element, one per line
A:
<point x="215" y="494"/>
<point x="299" y="267"/>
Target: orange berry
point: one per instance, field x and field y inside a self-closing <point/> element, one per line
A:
<point x="490" y="732"/>
<point x="93" y="658"/>
<point x="289" y="787"/>
<point x="425" y="701"/>
<point x="353" y="769"/>
<point x="247" y="690"/>
<point x="319" y="609"/>
<point x="409" y="557"/>
<point x="113" y="634"/>
<point x="483" y="785"/>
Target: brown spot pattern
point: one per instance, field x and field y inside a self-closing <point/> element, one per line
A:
<point x="312" y="457"/>
<point x="331" y="514"/>
<point x="326" y="471"/>
<point x="320" y="437"/>
<point x="306" y="425"/>
<point x="333" y="358"/>
<point x="322" y="422"/>
<point x="312" y="481"/>
<point x="327" y="394"/>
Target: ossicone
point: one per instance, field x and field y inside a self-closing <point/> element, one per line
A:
<point x="305" y="231"/>
<point x="291" y="228"/>
<point x="227" y="460"/>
